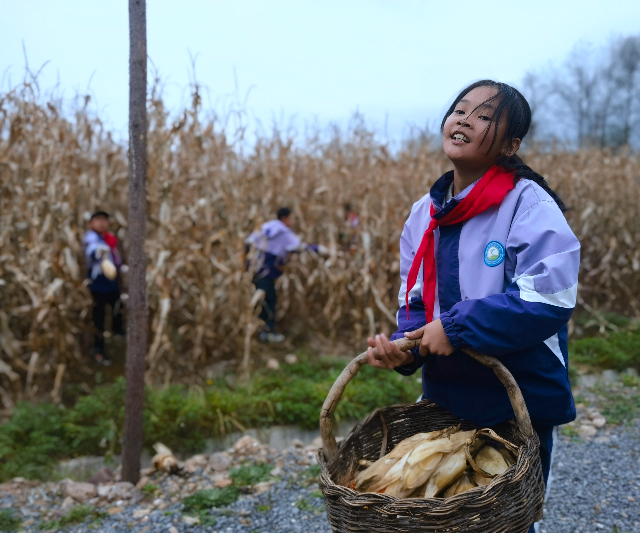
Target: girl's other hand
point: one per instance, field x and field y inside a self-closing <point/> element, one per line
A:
<point x="389" y="355"/>
<point x="434" y="339"/>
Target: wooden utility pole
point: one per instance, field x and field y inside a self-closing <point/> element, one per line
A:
<point x="137" y="307"/>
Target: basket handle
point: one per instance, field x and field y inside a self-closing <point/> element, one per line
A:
<point x="329" y="446"/>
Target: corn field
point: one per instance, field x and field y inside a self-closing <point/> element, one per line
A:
<point x="206" y="192"/>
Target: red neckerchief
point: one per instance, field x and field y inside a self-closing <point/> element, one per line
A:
<point x="488" y="192"/>
<point x="111" y="240"/>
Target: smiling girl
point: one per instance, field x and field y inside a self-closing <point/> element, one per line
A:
<point x="488" y="262"/>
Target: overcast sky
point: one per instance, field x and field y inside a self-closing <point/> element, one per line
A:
<point x="398" y="62"/>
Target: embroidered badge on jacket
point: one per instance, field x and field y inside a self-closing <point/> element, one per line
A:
<point x="493" y="254"/>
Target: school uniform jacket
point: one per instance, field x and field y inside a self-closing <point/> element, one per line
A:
<point x="506" y="286"/>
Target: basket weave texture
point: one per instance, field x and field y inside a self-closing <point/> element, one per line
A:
<point x="509" y="504"/>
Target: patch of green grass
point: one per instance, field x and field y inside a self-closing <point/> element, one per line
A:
<point x="149" y="489"/>
<point x="206" y="499"/>
<point x="39" y="435"/>
<point x="250" y="474"/>
<point x="618" y="351"/>
<point x="201" y="502"/>
<point x="312" y="471"/>
<point x="77" y="514"/>
<point x="264" y="508"/>
<point x="9" y="521"/>
<point x="306" y="506"/>
<point x="620" y="405"/>
<point x="317" y="494"/>
<point x="569" y="431"/>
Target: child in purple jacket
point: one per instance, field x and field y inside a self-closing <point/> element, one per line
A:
<point x="488" y="262"/>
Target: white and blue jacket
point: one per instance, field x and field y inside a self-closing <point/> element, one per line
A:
<point x="506" y="286"/>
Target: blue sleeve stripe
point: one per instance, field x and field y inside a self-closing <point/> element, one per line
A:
<point x="504" y="323"/>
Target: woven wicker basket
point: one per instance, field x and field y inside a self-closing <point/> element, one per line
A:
<point x="511" y="503"/>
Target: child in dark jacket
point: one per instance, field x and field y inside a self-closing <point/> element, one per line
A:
<point x="488" y="262"/>
<point x="103" y="265"/>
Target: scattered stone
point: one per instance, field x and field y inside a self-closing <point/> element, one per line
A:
<point x="223" y="482"/>
<point x="67" y="503"/>
<point x="297" y="443"/>
<point x="587" y="431"/>
<point x="599" y="421"/>
<point x="104" y="475"/>
<point x="272" y="363"/>
<point x="247" y="446"/>
<point x="144" y="480"/>
<point x="631" y="498"/>
<point x="610" y="376"/>
<point x="261" y="488"/>
<point x="277" y="472"/>
<point x="114" y="510"/>
<point x="314" y="446"/>
<point x="190" y="520"/>
<point x="122" y="490"/>
<point x="219" y="462"/>
<point x="148" y="471"/>
<point x="140" y="513"/>
<point x="631" y="372"/>
<point x="195" y="463"/>
<point x="291" y="359"/>
<point x="588" y="380"/>
<point x="173" y="529"/>
<point x="79" y="491"/>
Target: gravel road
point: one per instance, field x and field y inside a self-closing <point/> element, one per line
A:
<point x="596" y="484"/>
<point x="595" y="488"/>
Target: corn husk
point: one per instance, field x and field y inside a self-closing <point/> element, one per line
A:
<point x="164" y="459"/>
<point x="108" y="269"/>
<point x="381" y="467"/>
<point x="480" y="480"/>
<point x="491" y="461"/>
<point x="424" y="459"/>
<point x="451" y="467"/>
<point x="464" y="484"/>
<point x="507" y="456"/>
<point x="451" y="489"/>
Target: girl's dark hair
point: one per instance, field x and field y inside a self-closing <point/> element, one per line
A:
<point x="509" y="101"/>
<point x="283" y="212"/>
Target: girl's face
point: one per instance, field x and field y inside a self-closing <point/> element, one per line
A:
<point x="468" y="131"/>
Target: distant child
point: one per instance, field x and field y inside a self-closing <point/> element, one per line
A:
<point x="104" y="263"/>
<point x="271" y="245"/>
<point x="488" y="262"/>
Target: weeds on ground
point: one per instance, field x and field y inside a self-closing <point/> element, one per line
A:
<point x="39" y="435"/>
<point x="306" y="506"/>
<point x="250" y="474"/>
<point x="569" y="431"/>
<point x="149" y="489"/>
<point x="620" y="401"/>
<point x="201" y="502"/>
<point x="618" y="351"/>
<point x="77" y="514"/>
<point x="9" y="521"/>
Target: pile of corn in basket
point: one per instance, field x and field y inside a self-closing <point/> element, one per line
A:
<point x="417" y="468"/>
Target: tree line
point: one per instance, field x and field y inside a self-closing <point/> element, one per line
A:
<point x="590" y="100"/>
